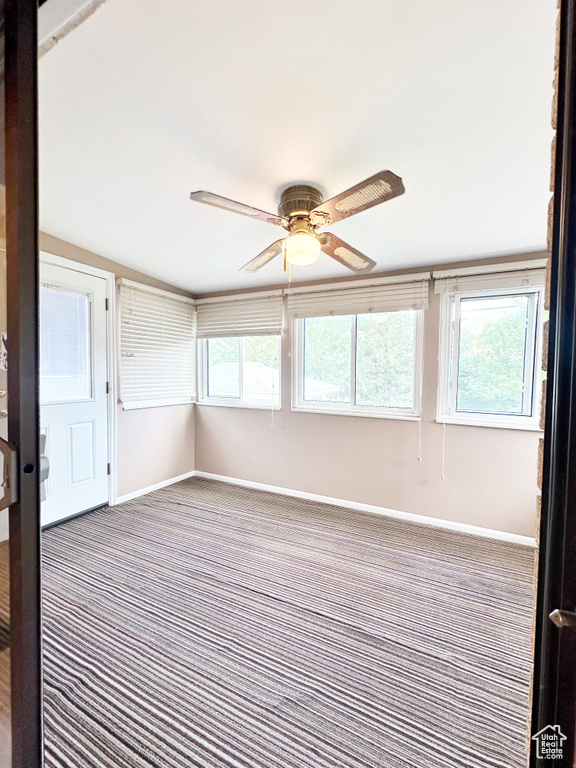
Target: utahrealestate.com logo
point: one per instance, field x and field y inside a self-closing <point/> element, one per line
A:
<point x="549" y="743"/>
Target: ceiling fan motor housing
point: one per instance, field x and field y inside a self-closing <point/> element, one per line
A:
<point x="298" y="200"/>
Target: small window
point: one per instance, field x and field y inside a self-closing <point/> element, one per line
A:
<point x="242" y="371"/>
<point x="366" y="364"/>
<point x="489" y="347"/>
<point x="65" y="345"/>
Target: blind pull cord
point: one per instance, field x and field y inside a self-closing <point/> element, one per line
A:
<point x="420" y="439"/>
<point x="443" y="475"/>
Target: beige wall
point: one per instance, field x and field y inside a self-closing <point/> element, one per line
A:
<point x="154" y="444"/>
<point x="490" y="474"/>
<point x="490" y="477"/>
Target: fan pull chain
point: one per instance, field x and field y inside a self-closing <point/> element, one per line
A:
<point x="443" y="450"/>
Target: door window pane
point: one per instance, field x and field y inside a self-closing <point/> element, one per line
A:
<point x="494" y="372"/>
<point x="261" y="370"/>
<point x="327" y="356"/>
<point x="385" y="359"/>
<point x="65" y="344"/>
<point x="223" y="368"/>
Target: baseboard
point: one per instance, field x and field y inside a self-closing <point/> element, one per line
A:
<point x="155" y="487"/>
<point x="436" y="522"/>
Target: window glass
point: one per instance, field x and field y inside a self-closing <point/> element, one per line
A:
<point x="385" y="345"/>
<point x="261" y="370"/>
<point x="327" y="359"/>
<point x="223" y="362"/>
<point x="65" y="359"/>
<point x="245" y="370"/>
<point x="494" y="374"/>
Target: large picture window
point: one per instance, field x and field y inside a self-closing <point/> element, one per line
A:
<point x="490" y="346"/>
<point x="363" y="364"/>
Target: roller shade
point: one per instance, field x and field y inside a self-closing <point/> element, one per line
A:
<point x="157" y="347"/>
<point x="241" y="315"/>
<point x="531" y="274"/>
<point x="382" y="295"/>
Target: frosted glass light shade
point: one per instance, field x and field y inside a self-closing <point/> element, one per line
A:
<point x="301" y="249"/>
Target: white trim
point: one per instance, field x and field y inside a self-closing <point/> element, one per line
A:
<point x="76" y="266"/>
<point x="351" y="409"/>
<point x="157" y="291"/>
<point x="476" y="530"/>
<point x="492" y="420"/>
<point x="113" y="395"/>
<point x="358" y="283"/>
<point x="110" y="279"/>
<point x="366" y="412"/>
<point x="202" y="372"/>
<point x="447" y="380"/>
<point x="155" y="487"/>
<point x="233" y="404"/>
<point x="488" y="269"/>
<point x="137" y="404"/>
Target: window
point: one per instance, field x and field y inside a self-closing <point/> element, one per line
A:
<point x="157" y="347"/>
<point x="489" y="347"/>
<point x="365" y="364"/>
<point x="358" y="346"/>
<point x="242" y="371"/>
<point x="65" y="345"/>
<point x="240" y="350"/>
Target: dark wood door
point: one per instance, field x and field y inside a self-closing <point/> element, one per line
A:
<point x="21" y="178"/>
<point x="554" y="700"/>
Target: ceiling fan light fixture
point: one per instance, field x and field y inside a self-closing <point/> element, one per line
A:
<point x="301" y="249"/>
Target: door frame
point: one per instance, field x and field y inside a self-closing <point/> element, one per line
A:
<point x="110" y="278"/>
<point x="21" y="151"/>
<point x="558" y="521"/>
<point x="554" y="689"/>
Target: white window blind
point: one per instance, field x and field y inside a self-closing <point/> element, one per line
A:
<point x="240" y="315"/>
<point x="157" y="347"/>
<point x="386" y="294"/>
<point x="529" y="274"/>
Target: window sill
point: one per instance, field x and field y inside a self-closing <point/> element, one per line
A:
<point x="368" y="414"/>
<point x="154" y="404"/>
<point x="523" y="423"/>
<point x="251" y="406"/>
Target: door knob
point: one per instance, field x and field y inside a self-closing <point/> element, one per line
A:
<point x="563" y="619"/>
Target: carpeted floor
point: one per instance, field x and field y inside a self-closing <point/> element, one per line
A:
<point x="5" y="709"/>
<point x="211" y="625"/>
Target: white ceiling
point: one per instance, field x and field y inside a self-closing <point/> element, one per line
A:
<point x="148" y="101"/>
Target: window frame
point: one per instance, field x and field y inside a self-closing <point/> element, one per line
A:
<point x="352" y="409"/>
<point x="446" y="413"/>
<point x="228" y="402"/>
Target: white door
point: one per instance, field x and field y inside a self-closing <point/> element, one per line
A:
<point x="73" y="390"/>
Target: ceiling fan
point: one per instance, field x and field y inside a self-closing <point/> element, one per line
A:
<point x="301" y="212"/>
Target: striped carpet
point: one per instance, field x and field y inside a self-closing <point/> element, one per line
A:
<point x="210" y="625"/>
<point x="5" y="709"/>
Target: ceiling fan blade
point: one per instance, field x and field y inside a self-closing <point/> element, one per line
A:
<point x="345" y="254"/>
<point x="231" y="205"/>
<point x="377" y="189"/>
<point x="263" y="258"/>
